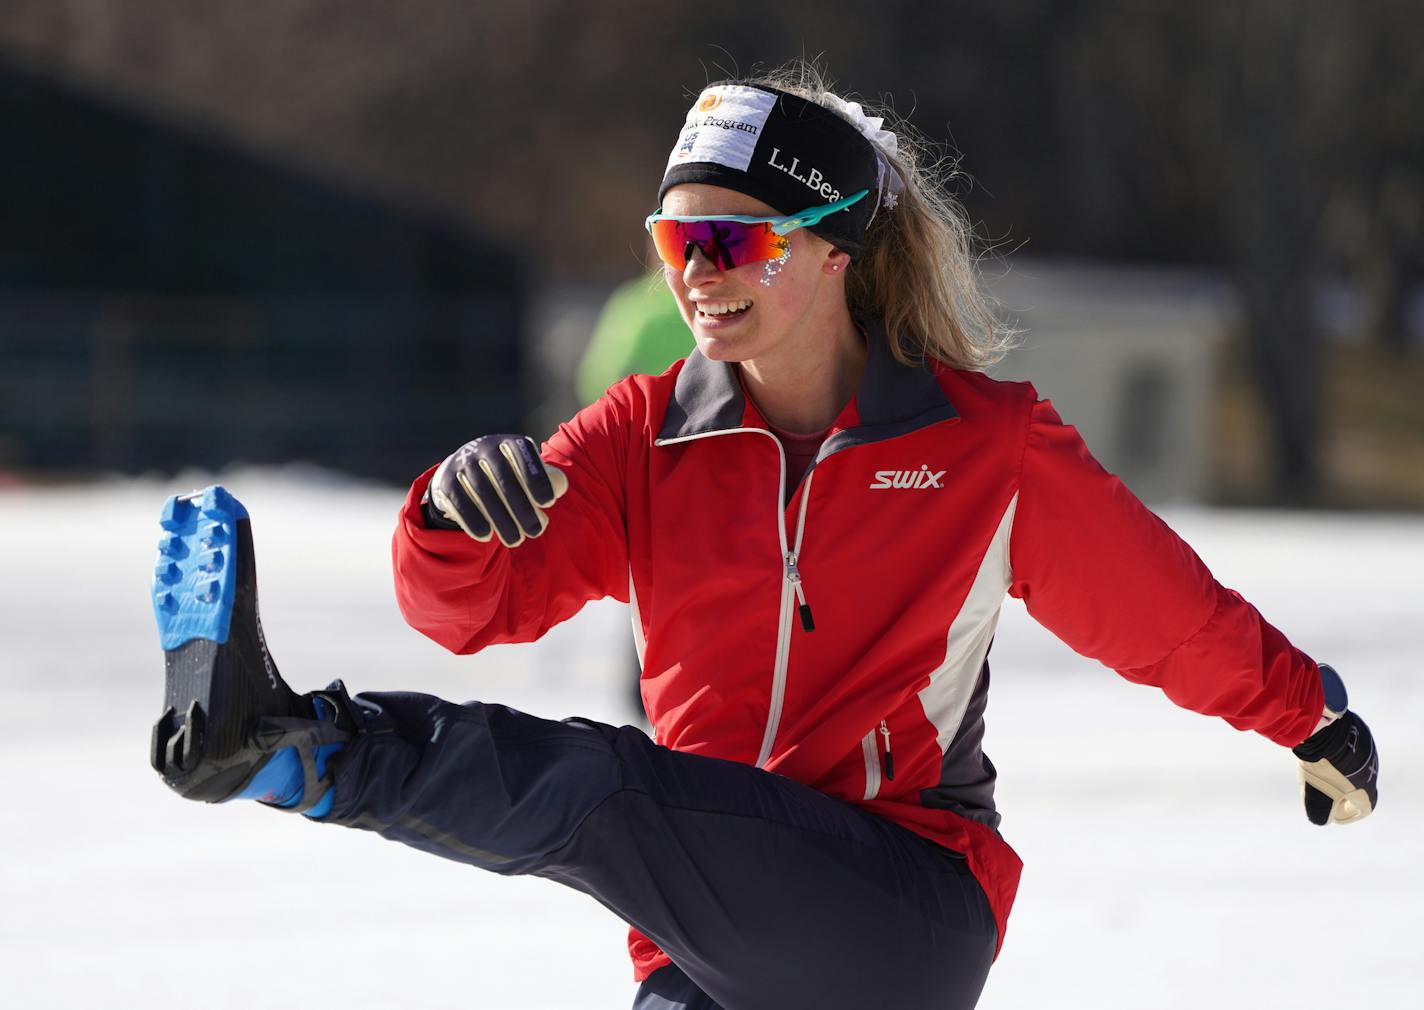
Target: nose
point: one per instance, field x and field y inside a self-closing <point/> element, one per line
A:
<point x="700" y="271"/>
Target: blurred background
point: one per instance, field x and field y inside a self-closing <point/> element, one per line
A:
<point x="258" y="217"/>
<point x="312" y="246"/>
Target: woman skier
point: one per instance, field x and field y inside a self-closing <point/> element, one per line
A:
<point x="815" y="517"/>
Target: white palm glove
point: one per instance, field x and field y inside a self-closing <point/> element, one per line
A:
<point x="1339" y="766"/>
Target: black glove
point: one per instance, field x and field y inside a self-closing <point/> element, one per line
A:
<point x="496" y="484"/>
<point x="1339" y="769"/>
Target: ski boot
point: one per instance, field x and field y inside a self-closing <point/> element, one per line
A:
<point x="231" y="727"/>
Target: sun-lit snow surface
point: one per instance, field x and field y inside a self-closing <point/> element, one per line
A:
<point x="1168" y="864"/>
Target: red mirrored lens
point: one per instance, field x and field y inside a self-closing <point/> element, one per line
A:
<point x="727" y="244"/>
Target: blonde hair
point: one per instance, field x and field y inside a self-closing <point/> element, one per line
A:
<point x="919" y="273"/>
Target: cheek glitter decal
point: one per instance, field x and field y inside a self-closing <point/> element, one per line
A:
<point x="773" y="267"/>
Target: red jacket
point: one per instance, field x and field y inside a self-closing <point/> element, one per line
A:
<point x="813" y="639"/>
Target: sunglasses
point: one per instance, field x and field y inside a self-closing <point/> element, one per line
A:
<point x="733" y="240"/>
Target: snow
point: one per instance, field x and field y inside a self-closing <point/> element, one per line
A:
<point x="1168" y="862"/>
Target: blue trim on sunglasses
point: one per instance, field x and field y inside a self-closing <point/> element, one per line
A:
<point x="779" y="225"/>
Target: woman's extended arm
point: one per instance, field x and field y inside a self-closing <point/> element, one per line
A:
<point x="1109" y="578"/>
<point x="466" y="594"/>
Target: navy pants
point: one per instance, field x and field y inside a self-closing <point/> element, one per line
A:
<point x="766" y="894"/>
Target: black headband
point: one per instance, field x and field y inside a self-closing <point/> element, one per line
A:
<point x="783" y="150"/>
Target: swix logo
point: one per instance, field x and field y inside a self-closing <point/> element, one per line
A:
<point x="919" y="479"/>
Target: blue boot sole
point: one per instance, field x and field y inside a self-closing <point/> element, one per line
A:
<point x="219" y="677"/>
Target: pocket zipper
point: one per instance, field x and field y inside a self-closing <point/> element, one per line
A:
<point x="888" y="758"/>
<point x="876" y="759"/>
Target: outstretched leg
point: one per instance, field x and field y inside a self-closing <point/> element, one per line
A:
<point x="764" y="892"/>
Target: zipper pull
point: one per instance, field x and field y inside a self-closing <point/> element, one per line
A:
<point x="889" y="761"/>
<point x="803" y="608"/>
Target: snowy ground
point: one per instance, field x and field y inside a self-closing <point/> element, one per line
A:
<point x="1168" y="864"/>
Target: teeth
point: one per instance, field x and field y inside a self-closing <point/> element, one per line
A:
<point x="722" y="308"/>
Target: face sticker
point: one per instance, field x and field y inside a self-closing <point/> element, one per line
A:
<point x="773" y="267"/>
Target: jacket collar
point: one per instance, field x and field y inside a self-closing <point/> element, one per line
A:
<point x="893" y="399"/>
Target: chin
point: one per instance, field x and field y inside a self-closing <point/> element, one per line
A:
<point x="717" y="348"/>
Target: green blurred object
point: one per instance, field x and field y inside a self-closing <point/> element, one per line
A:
<point x="639" y="332"/>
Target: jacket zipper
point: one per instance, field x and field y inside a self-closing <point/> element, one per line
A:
<point x="793" y="599"/>
<point x="875" y="748"/>
<point x="793" y="592"/>
<point x="793" y="575"/>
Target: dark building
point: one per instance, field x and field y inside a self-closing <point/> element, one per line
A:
<point x="167" y="301"/>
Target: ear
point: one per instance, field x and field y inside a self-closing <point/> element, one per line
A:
<point x="835" y="262"/>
